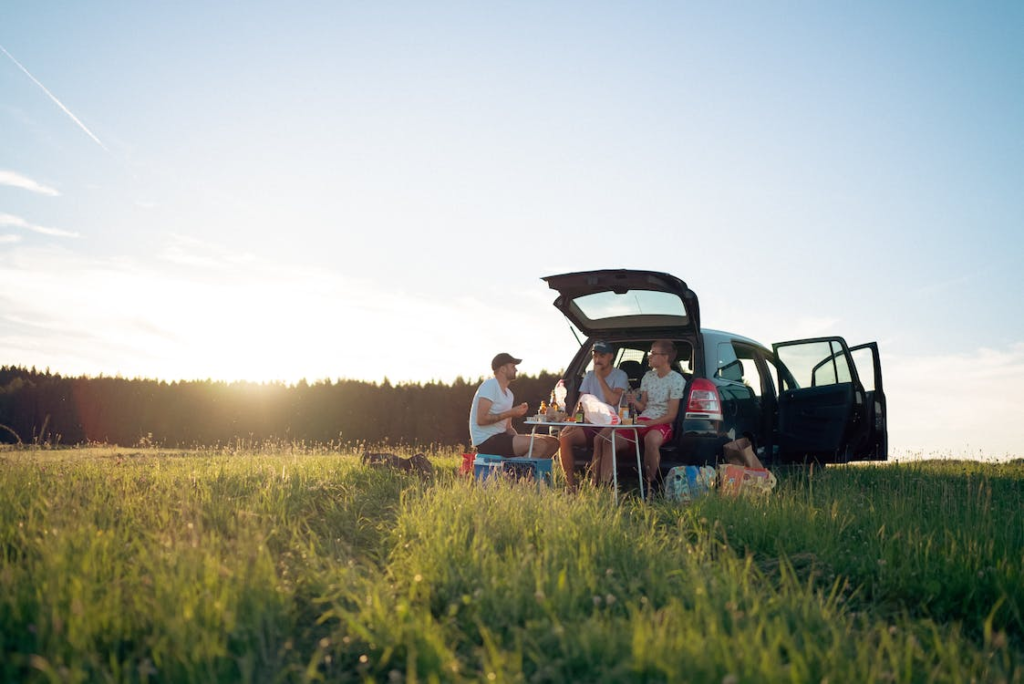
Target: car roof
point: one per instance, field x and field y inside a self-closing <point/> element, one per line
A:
<point x="716" y="336"/>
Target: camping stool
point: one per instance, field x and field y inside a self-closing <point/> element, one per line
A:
<point x="487" y="466"/>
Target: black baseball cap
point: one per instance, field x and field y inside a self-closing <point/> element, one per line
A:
<point x="503" y="358"/>
<point x="603" y="347"/>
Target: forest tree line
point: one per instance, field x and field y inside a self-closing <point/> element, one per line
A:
<point x="40" y="407"/>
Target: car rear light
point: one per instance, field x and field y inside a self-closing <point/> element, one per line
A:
<point x="704" y="400"/>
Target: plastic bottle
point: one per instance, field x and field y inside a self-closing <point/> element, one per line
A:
<point x="560" y="393"/>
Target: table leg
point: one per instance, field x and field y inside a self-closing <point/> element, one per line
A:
<point x="533" y="433"/>
<point x="639" y="463"/>
<point x="615" y="468"/>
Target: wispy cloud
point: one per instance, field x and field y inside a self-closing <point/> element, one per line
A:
<point x="186" y="250"/>
<point x="9" y="239"/>
<point x="55" y="100"/>
<point x="16" y="180"/>
<point x="18" y="222"/>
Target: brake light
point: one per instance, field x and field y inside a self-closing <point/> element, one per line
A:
<point x="704" y="400"/>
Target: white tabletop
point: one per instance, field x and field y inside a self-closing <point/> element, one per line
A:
<point x="557" y="423"/>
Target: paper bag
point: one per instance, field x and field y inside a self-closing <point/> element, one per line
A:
<point x="740" y="452"/>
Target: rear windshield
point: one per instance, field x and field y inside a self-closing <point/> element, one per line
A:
<point x="634" y="308"/>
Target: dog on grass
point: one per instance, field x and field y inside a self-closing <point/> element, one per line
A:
<point x="417" y="464"/>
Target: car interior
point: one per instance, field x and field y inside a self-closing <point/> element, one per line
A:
<point x="631" y="358"/>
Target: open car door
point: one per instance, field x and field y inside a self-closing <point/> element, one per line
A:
<point x="875" y="446"/>
<point x="825" y="414"/>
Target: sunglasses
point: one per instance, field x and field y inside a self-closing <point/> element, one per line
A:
<point x="657" y="353"/>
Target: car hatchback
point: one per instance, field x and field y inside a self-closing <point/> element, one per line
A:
<point x="813" y="400"/>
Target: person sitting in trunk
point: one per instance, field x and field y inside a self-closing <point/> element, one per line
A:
<point x="661" y="390"/>
<point x="605" y="382"/>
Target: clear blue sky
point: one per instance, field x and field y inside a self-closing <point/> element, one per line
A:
<point x="333" y="189"/>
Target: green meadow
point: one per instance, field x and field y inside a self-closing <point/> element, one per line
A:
<point x="301" y="564"/>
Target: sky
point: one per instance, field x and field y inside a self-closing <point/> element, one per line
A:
<point x="276" y="191"/>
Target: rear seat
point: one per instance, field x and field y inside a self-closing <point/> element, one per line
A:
<point x="634" y="371"/>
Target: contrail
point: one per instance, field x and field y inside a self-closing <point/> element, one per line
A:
<point x="58" y="102"/>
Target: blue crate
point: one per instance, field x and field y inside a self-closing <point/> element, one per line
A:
<point x="487" y="466"/>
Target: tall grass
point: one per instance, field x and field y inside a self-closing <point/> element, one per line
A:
<point x="301" y="564"/>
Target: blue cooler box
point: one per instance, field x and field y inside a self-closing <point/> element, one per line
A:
<point x="486" y="466"/>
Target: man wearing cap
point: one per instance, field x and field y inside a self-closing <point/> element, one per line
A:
<point x="490" y="416"/>
<point x="605" y="382"/>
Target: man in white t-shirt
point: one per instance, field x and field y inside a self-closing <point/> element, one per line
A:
<point x="490" y="416"/>
<point x="605" y="382"/>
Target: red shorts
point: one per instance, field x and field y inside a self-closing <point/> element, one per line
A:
<point x="665" y="429"/>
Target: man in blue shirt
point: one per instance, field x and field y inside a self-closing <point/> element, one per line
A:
<point x="605" y="382"/>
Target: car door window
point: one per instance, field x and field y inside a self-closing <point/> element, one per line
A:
<point x="865" y="364"/>
<point x="769" y="364"/>
<point x="736" y="362"/>
<point x="816" y="364"/>
<point x="752" y="376"/>
<point x="727" y="369"/>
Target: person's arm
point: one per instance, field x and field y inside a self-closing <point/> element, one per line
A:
<point x="670" y="416"/>
<point x="611" y="395"/>
<point x="515" y="412"/>
<point x="639" y="402"/>
<point x="485" y="417"/>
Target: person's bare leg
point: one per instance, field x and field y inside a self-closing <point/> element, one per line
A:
<point x="604" y="471"/>
<point x="567" y="439"/>
<point x="549" y="446"/>
<point x="544" y="446"/>
<point x="596" y="465"/>
<point x="652" y="458"/>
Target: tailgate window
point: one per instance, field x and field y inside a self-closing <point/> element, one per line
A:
<point x="632" y="308"/>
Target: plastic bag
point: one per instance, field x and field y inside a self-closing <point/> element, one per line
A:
<point x="597" y="412"/>
<point x="686" y="483"/>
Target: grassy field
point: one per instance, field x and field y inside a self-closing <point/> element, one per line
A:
<point x="296" y="564"/>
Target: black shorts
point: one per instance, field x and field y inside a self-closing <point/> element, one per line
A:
<point x="498" y="445"/>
